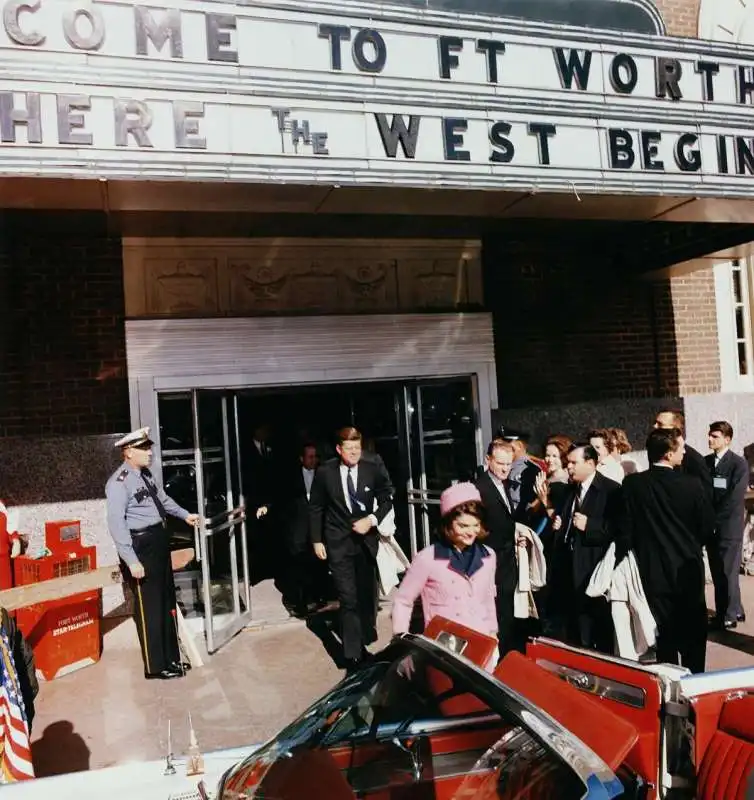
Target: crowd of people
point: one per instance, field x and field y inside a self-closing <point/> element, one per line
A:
<point x="622" y="547"/>
<point x="583" y="545"/>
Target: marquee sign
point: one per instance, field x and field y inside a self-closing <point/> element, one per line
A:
<point x="317" y="93"/>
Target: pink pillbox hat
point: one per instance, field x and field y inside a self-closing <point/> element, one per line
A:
<point x="458" y="494"/>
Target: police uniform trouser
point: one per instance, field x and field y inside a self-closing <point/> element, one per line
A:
<point x="154" y="599"/>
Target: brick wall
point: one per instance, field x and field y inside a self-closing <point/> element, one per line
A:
<point x="681" y="16"/>
<point x="62" y="361"/>
<point x="570" y="329"/>
<point x="696" y="342"/>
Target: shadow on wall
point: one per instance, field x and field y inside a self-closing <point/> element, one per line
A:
<point x="60" y="750"/>
<point x="56" y="470"/>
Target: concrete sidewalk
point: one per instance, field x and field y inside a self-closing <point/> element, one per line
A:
<point x="108" y="714"/>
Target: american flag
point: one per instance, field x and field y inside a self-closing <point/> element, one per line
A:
<point x="15" y="747"/>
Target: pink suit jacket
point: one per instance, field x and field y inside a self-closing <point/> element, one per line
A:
<point x="446" y="592"/>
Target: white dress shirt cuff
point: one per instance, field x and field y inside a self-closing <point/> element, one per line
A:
<point x="373" y="520"/>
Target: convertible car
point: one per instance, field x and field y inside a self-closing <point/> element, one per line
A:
<point x="424" y="721"/>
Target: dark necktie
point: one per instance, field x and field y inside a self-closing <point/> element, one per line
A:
<point x="146" y="476"/>
<point x="574" y="510"/>
<point x="356" y="505"/>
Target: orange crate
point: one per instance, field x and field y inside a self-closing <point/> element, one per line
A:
<point x="64" y="634"/>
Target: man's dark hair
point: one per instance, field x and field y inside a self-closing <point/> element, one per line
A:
<point x="722" y="427"/>
<point x="661" y="442"/>
<point x="590" y="454"/>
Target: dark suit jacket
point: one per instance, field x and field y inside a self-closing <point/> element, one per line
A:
<point x="502" y="533"/>
<point x="602" y="507"/>
<point x="667" y="521"/>
<point x="259" y="477"/>
<point x="291" y="509"/>
<point x="729" y="503"/>
<point x="695" y="465"/>
<point x="329" y="516"/>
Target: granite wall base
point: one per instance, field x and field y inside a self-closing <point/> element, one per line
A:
<point x="635" y="416"/>
<point x="57" y="478"/>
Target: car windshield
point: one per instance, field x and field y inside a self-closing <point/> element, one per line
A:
<point x="418" y="720"/>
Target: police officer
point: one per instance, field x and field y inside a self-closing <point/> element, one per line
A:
<point x="137" y="511"/>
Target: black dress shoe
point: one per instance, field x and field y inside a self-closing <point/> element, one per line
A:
<point x="184" y="666"/>
<point x="730" y="624"/>
<point x="163" y="675"/>
<point x="741" y="617"/>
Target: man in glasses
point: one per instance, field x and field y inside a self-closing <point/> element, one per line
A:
<point x="137" y="512"/>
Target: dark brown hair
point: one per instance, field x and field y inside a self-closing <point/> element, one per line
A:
<point x="605" y="435"/>
<point x="562" y="443"/>
<point x="348" y="434"/>
<point x="473" y="508"/>
<point x="722" y="427"/>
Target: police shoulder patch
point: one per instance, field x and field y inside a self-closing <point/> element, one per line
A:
<point x="123" y="475"/>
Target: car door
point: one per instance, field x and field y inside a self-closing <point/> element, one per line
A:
<point x="637" y="692"/>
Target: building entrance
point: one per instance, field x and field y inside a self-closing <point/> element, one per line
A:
<point x="427" y="432"/>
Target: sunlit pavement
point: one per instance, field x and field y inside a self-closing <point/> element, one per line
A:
<point x="108" y="714"/>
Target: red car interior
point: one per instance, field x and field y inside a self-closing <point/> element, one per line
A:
<point x="600" y="728"/>
<point x="726" y="751"/>
<point x="644" y="757"/>
<point x="613" y="708"/>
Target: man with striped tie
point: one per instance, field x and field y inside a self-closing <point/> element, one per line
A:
<point x="349" y="498"/>
<point x="584" y="526"/>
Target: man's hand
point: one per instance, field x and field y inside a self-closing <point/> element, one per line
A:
<point x="522" y="541"/>
<point x="262" y="512"/>
<point x="579" y="521"/>
<point x="320" y="551"/>
<point x="193" y="520"/>
<point x="137" y="571"/>
<point x="557" y="524"/>
<point x="362" y="526"/>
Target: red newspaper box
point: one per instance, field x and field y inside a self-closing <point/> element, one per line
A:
<point x="65" y="633"/>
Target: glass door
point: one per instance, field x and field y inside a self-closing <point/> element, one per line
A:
<point x="200" y="449"/>
<point x="441" y="430"/>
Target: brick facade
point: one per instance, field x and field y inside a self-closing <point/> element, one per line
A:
<point x="62" y="360"/>
<point x="570" y="329"/>
<point x="692" y="328"/>
<point x="681" y="16"/>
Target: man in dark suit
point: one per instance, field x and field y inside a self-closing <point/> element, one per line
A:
<point x="305" y="576"/>
<point x="693" y="461"/>
<point x="349" y="498"/>
<point x="501" y="528"/>
<point x="584" y="527"/>
<point x="730" y="480"/>
<point x="667" y="521"/>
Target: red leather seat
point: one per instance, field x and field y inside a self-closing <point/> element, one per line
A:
<point x="728" y="762"/>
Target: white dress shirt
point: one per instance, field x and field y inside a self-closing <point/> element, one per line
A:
<point x="308" y="475"/>
<point x="584" y="488"/>
<point x="500" y="486"/>
<point x="720" y="455"/>
<point x="344" y="470"/>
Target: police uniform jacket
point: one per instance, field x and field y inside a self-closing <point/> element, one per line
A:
<point x="130" y="507"/>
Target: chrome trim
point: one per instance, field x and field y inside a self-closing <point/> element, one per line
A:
<point x="585" y="763"/>
<point x="727" y="679"/>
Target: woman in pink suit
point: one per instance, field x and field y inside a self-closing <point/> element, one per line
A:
<point x="455" y="577"/>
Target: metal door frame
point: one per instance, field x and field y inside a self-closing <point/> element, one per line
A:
<point x="232" y="520"/>
<point x="419" y="496"/>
